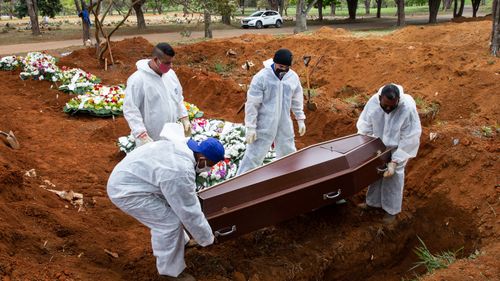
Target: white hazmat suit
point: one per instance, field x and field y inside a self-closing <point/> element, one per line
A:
<point x="152" y="100"/>
<point x="267" y="110"/>
<point x="400" y="129"/>
<point x="155" y="184"/>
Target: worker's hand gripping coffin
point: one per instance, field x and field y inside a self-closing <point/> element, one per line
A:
<point x="300" y="182"/>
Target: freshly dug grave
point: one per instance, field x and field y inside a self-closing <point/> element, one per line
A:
<point x="451" y="194"/>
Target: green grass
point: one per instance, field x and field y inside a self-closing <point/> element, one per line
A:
<point x="431" y="261"/>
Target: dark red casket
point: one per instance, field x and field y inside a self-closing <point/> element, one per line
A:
<point x="310" y="178"/>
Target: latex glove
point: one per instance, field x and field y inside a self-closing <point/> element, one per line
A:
<point x="142" y="139"/>
<point x="251" y="135"/>
<point x="302" y="127"/>
<point x="187" y="126"/>
<point x="391" y="169"/>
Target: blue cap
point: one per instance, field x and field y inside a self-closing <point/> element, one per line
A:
<point x="211" y="148"/>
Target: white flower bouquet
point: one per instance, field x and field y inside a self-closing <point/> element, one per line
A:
<point x="77" y="81"/>
<point x="39" y="66"/>
<point x="10" y="63"/>
<point x="101" y="101"/>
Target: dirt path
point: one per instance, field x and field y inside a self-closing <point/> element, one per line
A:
<point x="361" y="23"/>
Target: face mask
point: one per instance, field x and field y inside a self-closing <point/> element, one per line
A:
<point x="206" y="168"/>
<point x="388" y="109"/>
<point x="164" y="68"/>
<point x="280" y="73"/>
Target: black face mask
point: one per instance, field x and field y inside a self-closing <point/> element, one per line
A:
<point x="389" y="109"/>
<point x="280" y="73"/>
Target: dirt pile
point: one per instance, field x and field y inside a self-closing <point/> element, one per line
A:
<point x="451" y="194"/>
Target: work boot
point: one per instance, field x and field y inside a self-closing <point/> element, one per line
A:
<point x="182" y="277"/>
<point x="366" y="207"/>
<point x="388" y="218"/>
<point x="191" y="244"/>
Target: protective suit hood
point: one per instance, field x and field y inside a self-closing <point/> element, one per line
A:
<point x="143" y="65"/>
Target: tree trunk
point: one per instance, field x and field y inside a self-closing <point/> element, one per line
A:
<point x="401" y="12"/>
<point x="141" y="23"/>
<point x="332" y="7"/>
<point x="273" y="4"/>
<point x="320" y="10"/>
<point x="433" y="10"/>
<point x="32" y="12"/>
<point x="208" y="21"/>
<point x="475" y="7"/>
<point x="301" y="11"/>
<point x="458" y="12"/>
<point x="367" y="6"/>
<point x="85" y="24"/>
<point x="495" y="33"/>
<point x="379" y="7"/>
<point x="352" y="6"/>
<point x="185" y="6"/>
<point x="11" y="9"/>
<point x="226" y="19"/>
<point x="282" y="6"/>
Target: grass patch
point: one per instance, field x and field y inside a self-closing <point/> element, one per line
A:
<point x="356" y="101"/>
<point x="427" y="109"/>
<point x="433" y="262"/>
<point x="221" y="68"/>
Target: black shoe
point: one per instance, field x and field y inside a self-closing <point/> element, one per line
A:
<point x="182" y="277"/>
<point x="388" y="218"/>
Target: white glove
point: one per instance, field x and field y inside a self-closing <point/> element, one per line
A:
<point x="251" y="135"/>
<point x="391" y="169"/>
<point x="187" y="126"/>
<point x="142" y="139"/>
<point x="302" y="127"/>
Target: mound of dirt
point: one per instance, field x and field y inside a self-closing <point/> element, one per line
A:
<point x="451" y="192"/>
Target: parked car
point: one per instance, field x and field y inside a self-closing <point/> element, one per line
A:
<point x="261" y="19"/>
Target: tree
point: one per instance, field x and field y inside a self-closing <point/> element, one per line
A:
<point x="475" y="7"/>
<point x="320" y="10"/>
<point x="458" y="12"/>
<point x="495" y="33"/>
<point x="49" y="7"/>
<point x="379" y="7"/>
<point x="33" y="13"/>
<point x="141" y="23"/>
<point x="367" y="6"/>
<point x="21" y="9"/>
<point x="106" y="46"/>
<point x="401" y="12"/>
<point x="83" y="11"/>
<point x="433" y="10"/>
<point x="209" y="7"/>
<point x="302" y="9"/>
<point x="352" y="6"/>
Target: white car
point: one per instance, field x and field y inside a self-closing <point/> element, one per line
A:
<point x="261" y="19"/>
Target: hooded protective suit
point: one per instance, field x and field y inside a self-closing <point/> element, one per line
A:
<point x="155" y="184"/>
<point x="267" y="109"/>
<point x="152" y="100"/>
<point x="399" y="129"/>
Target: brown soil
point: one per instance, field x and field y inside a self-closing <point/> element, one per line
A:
<point x="451" y="193"/>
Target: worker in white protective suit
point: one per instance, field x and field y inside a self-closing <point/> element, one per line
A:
<point x="274" y="91"/>
<point x="155" y="184"/>
<point x="154" y="97"/>
<point x="392" y="116"/>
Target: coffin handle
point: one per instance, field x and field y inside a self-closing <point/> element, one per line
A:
<point x="225" y="231"/>
<point x="382" y="169"/>
<point x="332" y="195"/>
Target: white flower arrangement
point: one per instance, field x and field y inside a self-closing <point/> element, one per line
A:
<point x="10" y="63"/>
<point x="77" y="81"/>
<point x="39" y="66"/>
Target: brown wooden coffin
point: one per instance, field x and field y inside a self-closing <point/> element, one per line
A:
<point x="298" y="183"/>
